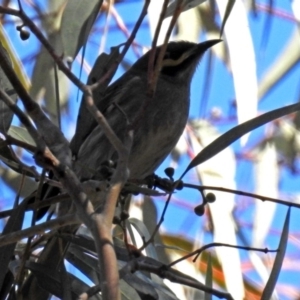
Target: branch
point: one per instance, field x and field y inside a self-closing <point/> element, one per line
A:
<point x="151" y="265"/>
<point x="199" y="251"/>
<point x="107" y="77"/>
<point x="38" y="229"/>
<point x="38" y="205"/>
<point x="237" y="192"/>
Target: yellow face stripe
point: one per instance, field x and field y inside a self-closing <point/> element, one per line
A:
<point x="172" y="63"/>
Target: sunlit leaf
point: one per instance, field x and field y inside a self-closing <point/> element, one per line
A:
<point x="6" y="114"/>
<point x="16" y="64"/>
<point x="75" y="34"/>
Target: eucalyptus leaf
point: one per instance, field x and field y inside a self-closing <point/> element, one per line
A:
<point x="21" y="134"/>
<point x="77" y="21"/>
<point x="44" y="86"/>
<point x="6" y="114"/>
<point x="235" y="133"/>
<point x="144" y="233"/>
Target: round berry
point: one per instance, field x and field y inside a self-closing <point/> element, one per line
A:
<point x="210" y="197"/>
<point x="24" y="34"/>
<point x="199" y="210"/>
<point x="169" y="172"/>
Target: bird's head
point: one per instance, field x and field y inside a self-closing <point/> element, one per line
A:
<point x="180" y="59"/>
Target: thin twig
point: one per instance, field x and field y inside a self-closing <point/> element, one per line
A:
<point x="48" y="202"/>
<point x="103" y="224"/>
<point x="158" y="65"/>
<point x="237" y="192"/>
<point x="57" y="96"/>
<point x="199" y="251"/>
<point x="162" y="217"/>
<point x="10" y="140"/>
<point x="153" y="47"/>
<point x="152" y="266"/>
<point x="26" y="253"/>
<point x="107" y="77"/>
<point x="38" y="229"/>
<point x="101" y="120"/>
<point x="163" y="49"/>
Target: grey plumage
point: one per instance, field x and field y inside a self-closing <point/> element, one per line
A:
<point x="162" y="123"/>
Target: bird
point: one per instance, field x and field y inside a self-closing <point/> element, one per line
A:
<point x="162" y="123"/>
<point x="163" y="120"/>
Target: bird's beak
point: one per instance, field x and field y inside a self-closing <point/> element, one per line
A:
<point x="198" y="50"/>
<point x="202" y="47"/>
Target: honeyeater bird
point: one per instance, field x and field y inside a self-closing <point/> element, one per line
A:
<point x="163" y="119"/>
<point x="162" y="122"/>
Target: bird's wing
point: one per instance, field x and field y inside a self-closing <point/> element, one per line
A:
<point x="85" y="122"/>
<point x="95" y="148"/>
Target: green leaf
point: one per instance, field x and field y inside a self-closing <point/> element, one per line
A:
<point x="21" y="134"/>
<point x="44" y="85"/>
<point x="6" y="114"/>
<point x="235" y="133"/>
<point x="16" y="63"/>
<point x="77" y="21"/>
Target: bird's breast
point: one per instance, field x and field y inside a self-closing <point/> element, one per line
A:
<point x="160" y="128"/>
